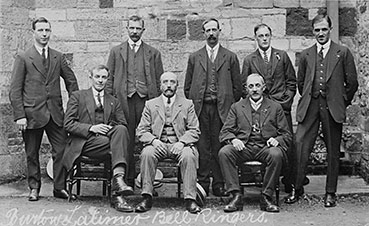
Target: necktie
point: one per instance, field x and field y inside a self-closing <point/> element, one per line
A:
<point x="321" y="53"/>
<point x="168" y="101"/>
<point x="212" y="55"/>
<point x="134" y="47"/>
<point x="265" y="57"/>
<point x="44" y="57"/>
<point x="99" y="104"/>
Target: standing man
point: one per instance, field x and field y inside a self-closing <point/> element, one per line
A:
<point x="96" y="126"/>
<point x="213" y="83"/>
<point x="169" y="128"/>
<point x="135" y="69"/>
<point x="327" y="82"/>
<point x="280" y="78"/>
<point x="37" y="104"/>
<point x="256" y="129"/>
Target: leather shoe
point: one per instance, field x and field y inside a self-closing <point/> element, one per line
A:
<point x="294" y="196"/>
<point x="266" y="204"/>
<point x="119" y="187"/>
<point x="192" y="207"/>
<point x="120" y="204"/>
<point x="236" y="204"/>
<point x="63" y="194"/>
<point x="220" y="192"/>
<point x="144" y="205"/>
<point x="330" y="200"/>
<point x="33" y="195"/>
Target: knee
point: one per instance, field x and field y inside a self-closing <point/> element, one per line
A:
<point x="121" y="129"/>
<point x="188" y="154"/>
<point x="225" y="151"/>
<point x="148" y="152"/>
<point x="275" y="154"/>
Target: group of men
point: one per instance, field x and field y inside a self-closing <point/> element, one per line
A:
<point x="227" y="117"/>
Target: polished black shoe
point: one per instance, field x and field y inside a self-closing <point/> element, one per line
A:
<point x="63" y="194"/>
<point x="266" y="204"/>
<point x="294" y="196"/>
<point x="119" y="187"/>
<point x="236" y="204"/>
<point x="144" y="205"/>
<point x="192" y="206"/>
<point x="220" y="192"/>
<point x="330" y="200"/>
<point x="120" y="204"/>
<point x="306" y="181"/>
<point x="33" y="195"/>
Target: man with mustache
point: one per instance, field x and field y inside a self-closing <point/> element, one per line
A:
<point x="213" y="83"/>
<point x="280" y="78"/>
<point x="169" y="128"/>
<point x="255" y="129"/>
<point x="135" y="69"/>
<point x="327" y="82"/>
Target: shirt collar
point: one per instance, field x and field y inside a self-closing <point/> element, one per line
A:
<point x="268" y="52"/>
<point x="138" y="43"/>
<point x="215" y="48"/>
<point x="39" y="49"/>
<point x="257" y="104"/>
<point x="172" y="99"/>
<point x="325" y="46"/>
<point x="94" y="92"/>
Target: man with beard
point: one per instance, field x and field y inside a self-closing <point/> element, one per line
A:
<point x="135" y="69"/>
<point x="256" y="129"/>
<point x="169" y="128"/>
<point x="213" y="83"/>
<point x="327" y="82"/>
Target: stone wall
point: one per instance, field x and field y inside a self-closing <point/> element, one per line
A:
<point x="86" y="30"/>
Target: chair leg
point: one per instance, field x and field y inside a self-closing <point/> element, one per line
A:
<point x="104" y="188"/>
<point x="179" y="181"/>
<point x="277" y="194"/>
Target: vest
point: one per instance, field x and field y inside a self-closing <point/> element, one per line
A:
<point x="168" y="135"/>
<point x="136" y="73"/>
<point x="211" y="83"/>
<point x="256" y="140"/>
<point x="268" y="75"/>
<point x="319" y="83"/>
<point x="99" y="115"/>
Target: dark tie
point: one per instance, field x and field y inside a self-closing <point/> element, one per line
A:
<point x="44" y="62"/>
<point x="134" y="47"/>
<point x="265" y="58"/>
<point x="99" y="104"/>
<point x="321" y="53"/>
<point x="212" y="55"/>
<point x="168" y="101"/>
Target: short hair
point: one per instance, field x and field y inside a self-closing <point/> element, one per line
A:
<point x="136" y="18"/>
<point x="207" y="21"/>
<point x="169" y="73"/>
<point x="39" y="20"/>
<point x="257" y="27"/>
<point x="98" y="68"/>
<point x="255" y="75"/>
<point x="320" y="17"/>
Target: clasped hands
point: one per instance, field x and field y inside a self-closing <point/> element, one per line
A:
<point x="160" y="146"/>
<point x="239" y="145"/>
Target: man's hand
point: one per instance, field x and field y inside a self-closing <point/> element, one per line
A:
<point x="100" y="129"/>
<point x="21" y="124"/>
<point x="159" y="145"/>
<point x="238" y="144"/>
<point x="272" y="142"/>
<point x="177" y="148"/>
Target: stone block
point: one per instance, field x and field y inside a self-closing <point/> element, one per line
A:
<point x="281" y="43"/>
<point x="301" y="43"/>
<point x="277" y="23"/>
<point x="175" y="61"/>
<point x="63" y="31"/>
<point x="254" y="4"/>
<point x="347" y="22"/>
<point x="226" y="29"/>
<point x="28" y="4"/>
<point x="312" y="3"/>
<point x="95" y="47"/>
<point x="52" y="14"/>
<point x="55" y="4"/>
<point x="176" y="29"/>
<point x="15" y="18"/>
<point x="97" y="14"/>
<point x="98" y="30"/>
<point x="138" y="4"/>
<point x="195" y="29"/>
<point x="155" y="29"/>
<point x="286" y="3"/>
<point x="347" y="3"/>
<point x="87" y="60"/>
<point x="70" y="46"/>
<point x="13" y="166"/>
<point x="242" y="45"/>
<point x="88" y="3"/>
<point x="106" y="4"/>
<point x="241" y="27"/>
<point x="298" y="23"/>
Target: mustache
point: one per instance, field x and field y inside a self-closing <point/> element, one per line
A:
<point x="169" y="89"/>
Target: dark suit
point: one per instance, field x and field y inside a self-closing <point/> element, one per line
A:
<point x="280" y="87"/>
<point x="186" y="128"/>
<point x="35" y="95"/>
<point x="238" y="125"/>
<point x="80" y="116"/>
<point x="212" y="115"/>
<point x="117" y="86"/>
<point x="341" y="85"/>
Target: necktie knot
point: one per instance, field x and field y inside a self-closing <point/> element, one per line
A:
<point x="134" y="46"/>
<point x="265" y="57"/>
<point x="212" y="55"/>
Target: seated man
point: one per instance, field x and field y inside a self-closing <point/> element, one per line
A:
<point x="169" y="128"/>
<point x="96" y="126"/>
<point x="255" y="129"/>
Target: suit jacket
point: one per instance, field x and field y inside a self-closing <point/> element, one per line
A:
<point x="228" y="75"/>
<point x="117" y="64"/>
<point x="34" y="92"/>
<point x="185" y="122"/>
<point x="80" y="116"/>
<point x="281" y="83"/>
<point x="341" y="80"/>
<point x="273" y="123"/>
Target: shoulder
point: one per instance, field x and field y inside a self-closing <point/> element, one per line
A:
<point x="197" y="53"/>
<point x="118" y="47"/>
<point x="153" y="101"/>
<point x="226" y="51"/>
<point x="151" y="48"/>
<point x="273" y="104"/>
<point x="184" y="101"/>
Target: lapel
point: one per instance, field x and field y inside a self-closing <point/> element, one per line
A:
<point x="264" y="112"/>
<point x="203" y="56"/>
<point x="52" y="56"/>
<point x="123" y="51"/>
<point x="311" y="56"/>
<point x="90" y="104"/>
<point x="107" y="107"/>
<point x="177" y="106"/>
<point x="274" y="58"/>
<point x="159" y="105"/>
<point x="258" y="62"/>
<point x="36" y="60"/>
<point x="220" y="58"/>
<point x="333" y="56"/>
<point x="147" y="54"/>
<point x="246" y="109"/>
